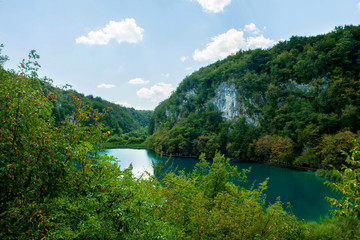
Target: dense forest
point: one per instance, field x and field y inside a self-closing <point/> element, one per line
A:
<point x="118" y="118"/>
<point x="55" y="183"/>
<point x="297" y="104"/>
<point x="128" y="127"/>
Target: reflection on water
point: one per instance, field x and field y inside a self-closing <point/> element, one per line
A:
<point x="304" y="190"/>
<point x="140" y="160"/>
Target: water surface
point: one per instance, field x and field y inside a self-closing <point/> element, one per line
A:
<point x="304" y="190"/>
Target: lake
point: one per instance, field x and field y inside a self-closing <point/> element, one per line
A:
<point x="304" y="190"/>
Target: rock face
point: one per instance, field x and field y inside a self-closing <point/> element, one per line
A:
<point x="226" y="101"/>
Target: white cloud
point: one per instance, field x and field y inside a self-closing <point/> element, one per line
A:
<point x="358" y="6"/>
<point x="221" y="46"/>
<point x="137" y="81"/>
<point x="124" y="104"/>
<point x="165" y="75"/>
<point x="123" y="31"/>
<point x="183" y="58"/>
<point x="144" y="108"/>
<point x="260" y="42"/>
<point x="104" y="85"/>
<point x="230" y="42"/>
<point x="156" y="93"/>
<point x="251" y="28"/>
<point x="128" y="105"/>
<point x="214" y="6"/>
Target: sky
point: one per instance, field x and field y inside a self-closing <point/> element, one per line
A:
<point x="136" y="52"/>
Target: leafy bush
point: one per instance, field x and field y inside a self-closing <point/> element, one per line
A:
<point x="328" y="174"/>
<point x="114" y="138"/>
<point x="206" y="204"/>
<point x="54" y="181"/>
<point x="348" y="186"/>
<point x="334" y="228"/>
<point x="329" y="149"/>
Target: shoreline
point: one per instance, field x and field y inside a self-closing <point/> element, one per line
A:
<point x="131" y="146"/>
<point x="299" y="168"/>
<point x="179" y="155"/>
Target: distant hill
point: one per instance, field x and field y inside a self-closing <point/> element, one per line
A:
<point x="120" y="119"/>
<point x="297" y="103"/>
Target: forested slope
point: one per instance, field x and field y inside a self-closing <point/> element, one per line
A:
<point x="294" y="104"/>
<point x="120" y="119"/>
<point x="56" y="183"/>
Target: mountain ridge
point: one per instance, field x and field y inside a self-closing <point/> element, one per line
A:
<point x="306" y="86"/>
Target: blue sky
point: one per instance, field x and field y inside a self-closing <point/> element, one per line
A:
<point x="136" y="52"/>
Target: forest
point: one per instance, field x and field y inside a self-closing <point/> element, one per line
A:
<point x="299" y="104"/>
<point x="119" y="119"/>
<point x="55" y="182"/>
<point x="127" y="126"/>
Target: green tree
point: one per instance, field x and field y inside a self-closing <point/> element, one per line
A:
<point x="206" y="204"/>
<point x="329" y="149"/>
<point x="348" y="186"/>
<point x="282" y="150"/>
<point x="263" y="147"/>
<point x="54" y="180"/>
<point x="32" y="168"/>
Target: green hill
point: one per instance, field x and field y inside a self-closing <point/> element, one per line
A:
<point x="294" y="104"/>
<point x="120" y="119"/>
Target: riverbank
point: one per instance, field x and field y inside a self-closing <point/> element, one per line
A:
<point x="112" y="145"/>
<point x="318" y="172"/>
<point x="328" y="174"/>
<point x="293" y="167"/>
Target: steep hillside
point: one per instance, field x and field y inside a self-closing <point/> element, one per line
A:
<point x="294" y="104"/>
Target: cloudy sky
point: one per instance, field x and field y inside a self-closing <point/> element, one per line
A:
<point x="136" y="52"/>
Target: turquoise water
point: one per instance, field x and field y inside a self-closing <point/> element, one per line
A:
<point x="304" y="190"/>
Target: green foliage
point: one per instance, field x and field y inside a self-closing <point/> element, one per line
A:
<point x="3" y="58"/>
<point x="207" y="205"/>
<point x="114" y="138"/>
<point x="308" y="158"/>
<point x="191" y="135"/>
<point x="131" y="139"/>
<point x="55" y="182"/>
<point x="240" y="136"/>
<point x="119" y="119"/>
<point x="348" y="186"/>
<point x="263" y="147"/>
<point x="275" y="149"/>
<point x="281" y="150"/>
<point x="331" y="146"/>
<point x="334" y="228"/>
<point x="32" y="167"/>
<point x="329" y="174"/>
<point x="302" y="90"/>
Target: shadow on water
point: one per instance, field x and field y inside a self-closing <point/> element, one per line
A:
<point x="304" y="190"/>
